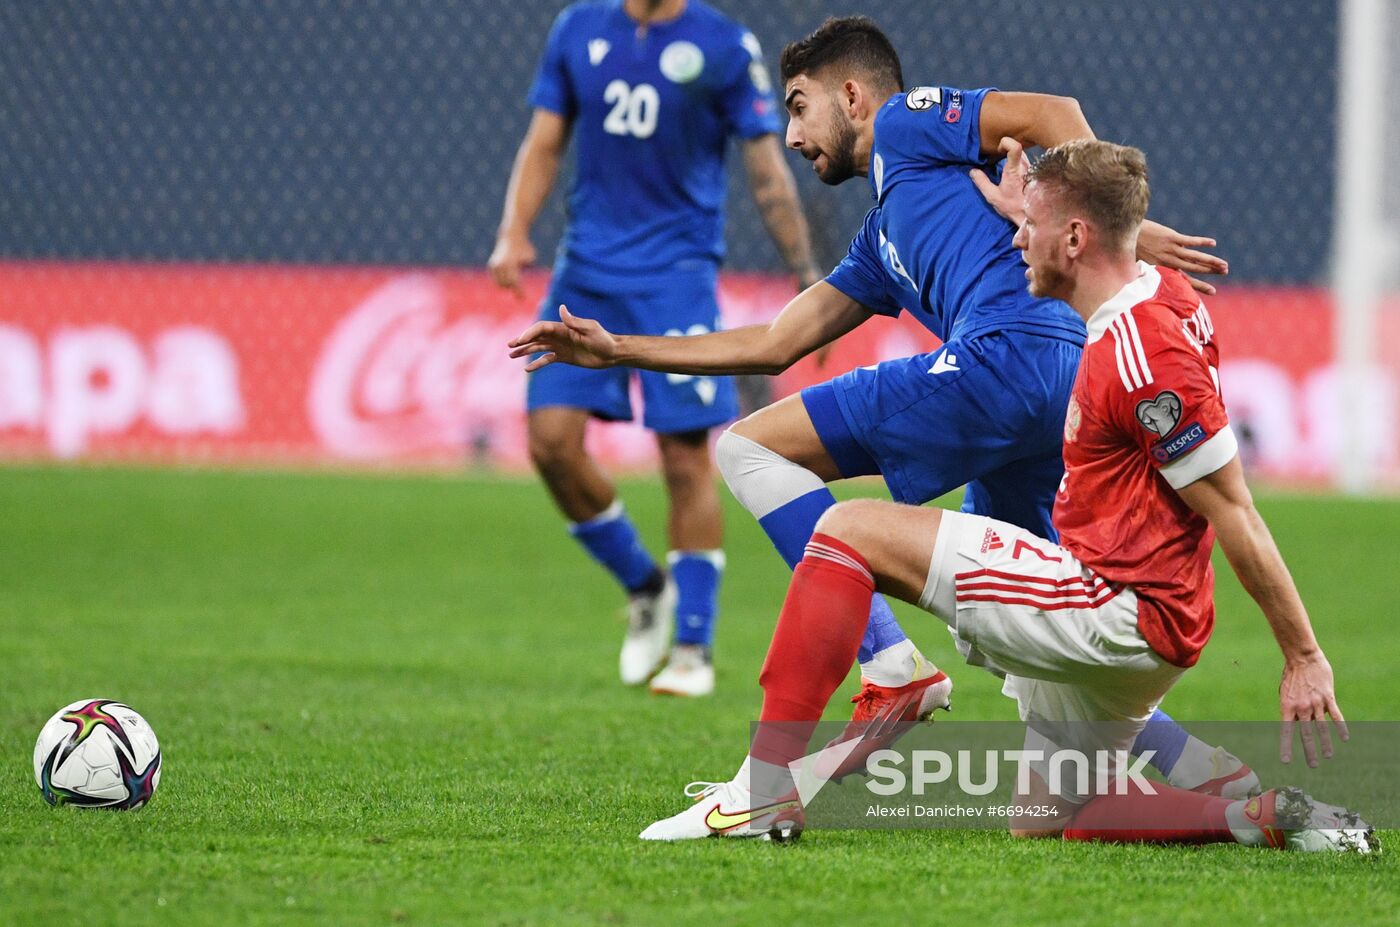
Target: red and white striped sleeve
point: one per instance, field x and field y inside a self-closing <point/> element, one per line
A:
<point x="1167" y="397"/>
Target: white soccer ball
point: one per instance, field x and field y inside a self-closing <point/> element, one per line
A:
<point x="97" y="753"/>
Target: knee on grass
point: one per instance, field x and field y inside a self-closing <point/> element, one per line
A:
<point x="1030" y="829"/>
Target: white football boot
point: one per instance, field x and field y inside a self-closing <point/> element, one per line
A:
<point x="727" y="809"/>
<point x="1290" y="819"/>
<point x="689" y="672"/>
<point x="650" y="621"/>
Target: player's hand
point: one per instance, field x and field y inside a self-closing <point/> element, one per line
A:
<point x="510" y="256"/>
<point x="1307" y="700"/>
<point x="1009" y="198"/>
<point x="582" y="342"/>
<point x="1166" y="247"/>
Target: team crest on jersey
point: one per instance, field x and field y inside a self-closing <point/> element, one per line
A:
<point x="1161" y="415"/>
<point x="922" y="98"/>
<point x="598" y="50"/>
<point x="1072" y="419"/>
<point x="682" y="62"/>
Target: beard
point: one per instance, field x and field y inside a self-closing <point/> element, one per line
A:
<point x="1048" y="282"/>
<point x="841" y="156"/>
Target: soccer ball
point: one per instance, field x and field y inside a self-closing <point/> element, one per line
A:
<point x="97" y="753"/>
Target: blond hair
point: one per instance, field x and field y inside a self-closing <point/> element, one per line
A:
<point x="1104" y="181"/>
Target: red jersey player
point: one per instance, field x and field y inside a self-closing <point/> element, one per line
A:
<point x="1090" y="633"/>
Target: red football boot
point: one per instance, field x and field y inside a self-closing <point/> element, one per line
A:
<point x="884" y="714"/>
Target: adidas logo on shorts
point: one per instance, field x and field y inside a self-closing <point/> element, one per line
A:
<point x="991" y="541"/>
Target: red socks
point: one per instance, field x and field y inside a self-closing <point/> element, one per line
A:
<point x="814" y="646"/>
<point x="1170" y="816"/>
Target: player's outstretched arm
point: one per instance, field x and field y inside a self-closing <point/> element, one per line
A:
<point x="531" y="178"/>
<point x="816" y="316"/>
<point x="1029" y="119"/>
<point x="1306" y="694"/>
<point x="775" y="195"/>
<point x="1166" y="247"/>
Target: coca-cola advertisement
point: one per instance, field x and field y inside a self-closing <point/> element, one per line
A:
<point x="408" y="367"/>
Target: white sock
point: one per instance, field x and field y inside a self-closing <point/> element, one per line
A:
<point x="1195" y="766"/>
<point x="897" y="665"/>
<point x="764" y="782"/>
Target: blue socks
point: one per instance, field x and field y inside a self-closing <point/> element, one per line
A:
<point x="697" y="574"/>
<point x="613" y="541"/>
<point x="790" y="527"/>
<point x="1165" y="736"/>
<point x="883" y="631"/>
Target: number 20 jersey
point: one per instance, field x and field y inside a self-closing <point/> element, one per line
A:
<point x="652" y="111"/>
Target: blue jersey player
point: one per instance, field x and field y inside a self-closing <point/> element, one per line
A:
<point x="651" y="90"/>
<point x="985" y="411"/>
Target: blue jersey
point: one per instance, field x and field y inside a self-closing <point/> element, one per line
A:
<point x="652" y="112"/>
<point x="932" y="244"/>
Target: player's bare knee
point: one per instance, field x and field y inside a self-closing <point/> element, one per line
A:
<point x="555" y="449"/>
<point x="750" y="426"/>
<point x="852" y="522"/>
<point x="685" y="460"/>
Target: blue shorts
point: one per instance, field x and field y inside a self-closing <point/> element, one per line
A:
<point x="677" y="304"/>
<point x="987" y="412"/>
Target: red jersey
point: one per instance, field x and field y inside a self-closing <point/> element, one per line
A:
<point x="1146" y="418"/>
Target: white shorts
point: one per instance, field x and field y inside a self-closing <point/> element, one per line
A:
<point x="1067" y="641"/>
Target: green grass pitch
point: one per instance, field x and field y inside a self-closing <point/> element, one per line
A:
<point x="393" y="700"/>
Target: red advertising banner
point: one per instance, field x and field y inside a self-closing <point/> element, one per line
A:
<point x="382" y="366"/>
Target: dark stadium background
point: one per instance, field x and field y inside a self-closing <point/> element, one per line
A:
<point x="381" y="131"/>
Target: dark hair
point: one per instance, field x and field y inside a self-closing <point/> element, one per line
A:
<point x="852" y="43"/>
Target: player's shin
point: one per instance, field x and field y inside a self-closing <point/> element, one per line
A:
<point x="818" y="633"/>
<point x="697" y="575"/>
<point x="1168" y="816"/>
<point x="1188" y="762"/>
<point x="612" y="540"/>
